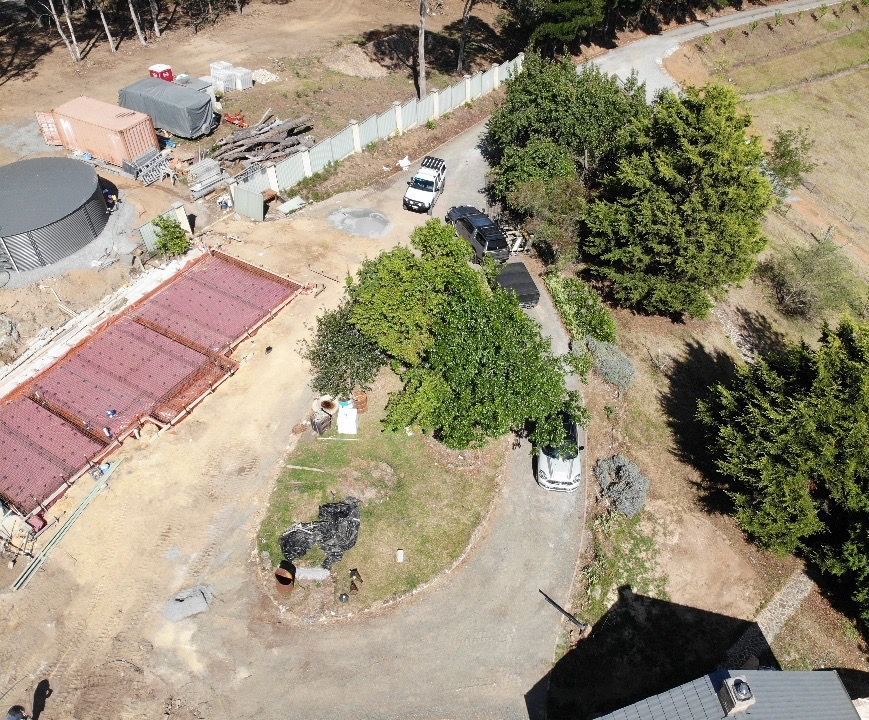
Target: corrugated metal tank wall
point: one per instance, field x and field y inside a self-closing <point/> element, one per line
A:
<point x="60" y="239"/>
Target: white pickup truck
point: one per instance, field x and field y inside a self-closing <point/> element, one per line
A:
<point x="426" y="185"/>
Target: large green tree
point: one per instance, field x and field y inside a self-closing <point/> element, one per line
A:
<point x="790" y="437"/>
<point x="398" y="296"/>
<point x="549" y="105"/>
<point x="342" y="358"/>
<point x="488" y="372"/>
<point x="679" y="218"/>
<point x="474" y="365"/>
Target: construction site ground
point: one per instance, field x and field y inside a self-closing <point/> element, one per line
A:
<point x="185" y="505"/>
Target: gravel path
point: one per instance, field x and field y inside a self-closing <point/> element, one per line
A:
<point x="770" y="621"/>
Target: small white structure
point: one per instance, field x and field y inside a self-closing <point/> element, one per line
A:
<point x="347" y="415"/>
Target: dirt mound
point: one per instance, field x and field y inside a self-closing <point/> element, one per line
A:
<point x="352" y="60"/>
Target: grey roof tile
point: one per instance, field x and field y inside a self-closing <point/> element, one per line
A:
<point x="817" y="695"/>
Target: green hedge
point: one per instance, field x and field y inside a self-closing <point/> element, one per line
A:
<point x="581" y="308"/>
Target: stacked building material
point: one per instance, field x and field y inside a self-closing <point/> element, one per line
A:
<point x="226" y="78"/>
<point x="269" y="140"/>
<point x="204" y="177"/>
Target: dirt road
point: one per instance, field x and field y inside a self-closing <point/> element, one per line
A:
<point x="646" y="56"/>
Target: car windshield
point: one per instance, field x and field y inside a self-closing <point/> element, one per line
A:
<point x="422" y="184"/>
<point x="569" y="449"/>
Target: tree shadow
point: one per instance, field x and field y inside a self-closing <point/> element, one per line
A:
<point x="395" y="47"/>
<point x="690" y="378"/>
<point x="22" y="44"/>
<point x="641" y="647"/>
<point x="856" y="682"/>
<point x="761" y="334"/>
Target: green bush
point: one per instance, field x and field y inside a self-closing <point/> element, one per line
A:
<point x="808" y="282"/>
<point x="172" y="239"/>
<point x="580" y="362"/>
<point x="581" y="308"/>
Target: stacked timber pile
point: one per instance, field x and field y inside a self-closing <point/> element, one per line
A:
<point x="270" y="139"/>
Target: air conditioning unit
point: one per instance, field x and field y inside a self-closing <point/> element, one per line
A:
<point x="735" y="696"/>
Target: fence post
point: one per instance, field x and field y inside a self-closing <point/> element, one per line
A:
<point x="496" y="81"/>
<point x="467" y="79"/>
<point x="357" y="138"/>
<point x="520" y="58"/>
<point x="306" y="163"/>
<point x="272" y="174"/>
<point x="436" y="104"/>
<point x="399" y="126"/>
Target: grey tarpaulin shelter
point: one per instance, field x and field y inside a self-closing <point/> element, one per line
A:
<point x="180" y="110"/>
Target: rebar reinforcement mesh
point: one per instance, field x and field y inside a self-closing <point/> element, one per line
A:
<point x="155" y="360"/>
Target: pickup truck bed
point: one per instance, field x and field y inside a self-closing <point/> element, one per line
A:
<point x="515" y="276"/>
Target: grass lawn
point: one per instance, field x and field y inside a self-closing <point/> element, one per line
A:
<point x="416" y="495"/>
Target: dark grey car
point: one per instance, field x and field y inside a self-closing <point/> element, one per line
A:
<point x="481" y="231"/>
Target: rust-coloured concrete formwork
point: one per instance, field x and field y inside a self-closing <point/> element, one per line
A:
<point x="153" y="363"/>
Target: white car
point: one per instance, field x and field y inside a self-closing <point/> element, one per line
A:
<point x="561" y="470"/>
<point x="426" y="185"/>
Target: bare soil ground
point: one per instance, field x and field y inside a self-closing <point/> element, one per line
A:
<point x="335" y="61"/>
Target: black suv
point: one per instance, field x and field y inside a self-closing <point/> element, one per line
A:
<point x="481" y="231"/>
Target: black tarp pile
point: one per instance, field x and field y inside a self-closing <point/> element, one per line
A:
<point x="335" y="532"/>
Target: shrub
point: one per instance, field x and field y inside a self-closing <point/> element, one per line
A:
<point x="172" y="239"/>
<point x="789" y="156"/>
<point x="611" y="363"/>
<point x="807" y="282"/>
<point x="341" y="357"/>
<point x="581" y="308"/>
<point x="622" y="483"/>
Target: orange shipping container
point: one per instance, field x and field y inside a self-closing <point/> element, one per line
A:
<point x="106" y="131"/>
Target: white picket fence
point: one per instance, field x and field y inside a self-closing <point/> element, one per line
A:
<point x="357" y="136"/>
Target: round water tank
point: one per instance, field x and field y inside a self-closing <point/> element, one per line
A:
<point x="49" y="209"/>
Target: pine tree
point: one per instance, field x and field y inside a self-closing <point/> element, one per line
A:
<point x="790" y="438"/>
<point x="679" y="218"/>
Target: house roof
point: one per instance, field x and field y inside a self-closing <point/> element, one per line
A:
<point x="817" y="695"/>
